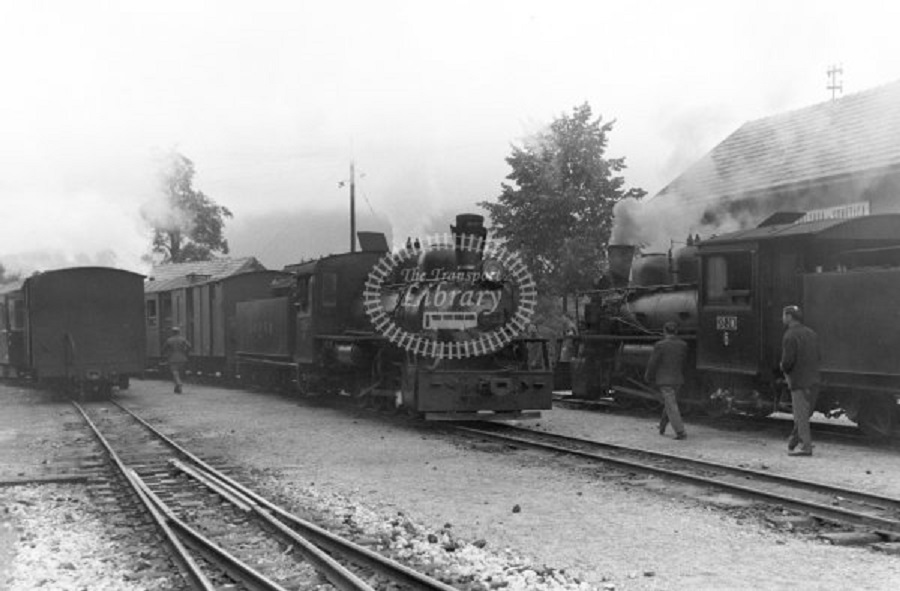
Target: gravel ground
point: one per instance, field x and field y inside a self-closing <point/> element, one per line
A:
<point x="480" y="514"/>
<point x="63" y="545"/>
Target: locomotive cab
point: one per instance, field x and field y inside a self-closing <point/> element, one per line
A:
<point x="748" y="277"/>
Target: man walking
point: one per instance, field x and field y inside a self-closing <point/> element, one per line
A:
<point x="666" y="370"/>
<point x="800" y="364"/>
<point x="176" y="350"/>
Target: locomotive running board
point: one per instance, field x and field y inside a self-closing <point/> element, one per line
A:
<point x="483" y="416"/>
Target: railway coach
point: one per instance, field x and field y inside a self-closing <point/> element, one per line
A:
<point x="78" y="328"/>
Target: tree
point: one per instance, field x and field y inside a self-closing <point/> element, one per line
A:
<point x="7" y="277"/>
<point x="190" y="228"/>
<point x="558" y="211"/>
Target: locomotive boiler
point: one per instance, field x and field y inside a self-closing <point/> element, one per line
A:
<point x="623" y="319"/>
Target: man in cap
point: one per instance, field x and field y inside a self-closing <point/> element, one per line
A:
<point x="800" y="364"/>
<point x="176" y="350"/>
<point x="666" y="370"/>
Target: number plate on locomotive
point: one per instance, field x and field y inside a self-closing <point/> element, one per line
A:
<point x="726" y="322"/>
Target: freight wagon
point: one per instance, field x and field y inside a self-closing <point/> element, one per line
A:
<point x="80" y="328"/>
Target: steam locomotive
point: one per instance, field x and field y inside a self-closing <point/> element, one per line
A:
<point x="727" y="294"/>
<point x="433" y="329"/>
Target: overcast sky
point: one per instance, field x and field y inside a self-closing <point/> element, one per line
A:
<point x="272" y="100"/>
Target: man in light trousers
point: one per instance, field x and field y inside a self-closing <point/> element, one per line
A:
<point x="800" y="364"/>
<point x="666" y="370"/>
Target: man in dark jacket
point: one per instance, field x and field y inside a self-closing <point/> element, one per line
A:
<point x="666" y="370"/>
<point x="176" y="349"/>
<point x="800" y="364"/>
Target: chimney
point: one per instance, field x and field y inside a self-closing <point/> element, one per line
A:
<point x="620" y="258"/>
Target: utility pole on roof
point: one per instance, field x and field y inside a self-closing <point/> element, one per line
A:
<point x="834" y="85"/>
<point x="352" y="207"/>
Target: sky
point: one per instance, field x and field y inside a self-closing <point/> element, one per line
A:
<point x="273" y="100"/>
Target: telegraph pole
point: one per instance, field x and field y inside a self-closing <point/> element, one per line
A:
<point x="352" y="208"/>
<point x="352" y="182"/>
<point x="833" y="84"/>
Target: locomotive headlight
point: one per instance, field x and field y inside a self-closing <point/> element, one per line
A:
<point x="492" y="270"/>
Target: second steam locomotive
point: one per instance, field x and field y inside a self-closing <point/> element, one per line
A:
<point x="727" y="294"/>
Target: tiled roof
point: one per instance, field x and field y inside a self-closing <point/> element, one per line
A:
<point x="884" y="227"/>
<point x="178" y="275"/>
<point x="853" y="134"/>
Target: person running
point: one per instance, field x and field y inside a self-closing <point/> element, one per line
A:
<point x="176" y="350"/>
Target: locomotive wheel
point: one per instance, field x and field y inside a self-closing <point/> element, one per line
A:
<point x="623" y="400"/>
<point x="713" y="397"/>
<point x="651" y="405"/>
<point x="716" y="408"/>
<point x="877" y="416"/>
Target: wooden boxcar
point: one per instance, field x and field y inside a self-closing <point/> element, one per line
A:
<point x="79" y="326"/>
<point x="204" y="309"/>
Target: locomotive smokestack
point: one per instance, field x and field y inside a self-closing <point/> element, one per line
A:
<point x="620" y="258"/>
<point x="470" y="224"/>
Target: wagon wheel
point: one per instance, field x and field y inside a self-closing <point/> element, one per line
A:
<point x="877" y="416"/>
<point x="105" y="389"/>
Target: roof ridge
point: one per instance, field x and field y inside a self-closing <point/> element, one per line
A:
<point x="833" y="103"/>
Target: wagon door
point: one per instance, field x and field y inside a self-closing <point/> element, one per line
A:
<point x="304" y="337"/>
<point x="12" y="335"/>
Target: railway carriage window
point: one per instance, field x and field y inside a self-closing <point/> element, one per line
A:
<point x="18" y="315"/>
<point x="728" y="279"/>
<point x="329" y="289"/>
<point x="302" y="294"/>
<point x="152" y="316"/>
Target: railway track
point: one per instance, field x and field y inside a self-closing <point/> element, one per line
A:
<point x="861" y="517"/>
<point x="221" y="534"/>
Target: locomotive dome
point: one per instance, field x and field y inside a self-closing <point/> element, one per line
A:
<point x="432" y="261"/>
<point x="651" y="268"/>
<point x="687" y="264"/>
